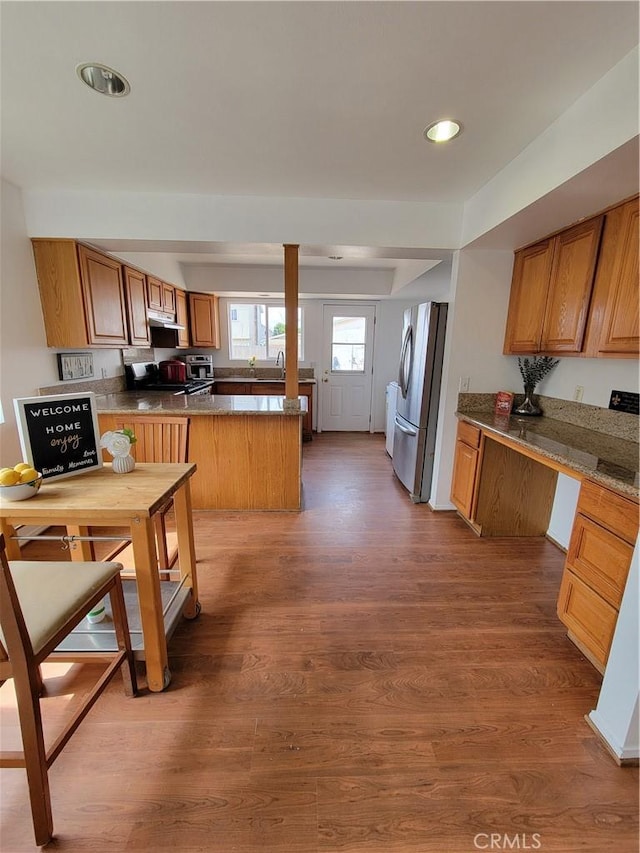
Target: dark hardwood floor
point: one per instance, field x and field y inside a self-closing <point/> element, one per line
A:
<point x="365" y="676"/>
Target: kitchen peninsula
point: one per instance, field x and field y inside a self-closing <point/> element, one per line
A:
<point x="247" y="448"/>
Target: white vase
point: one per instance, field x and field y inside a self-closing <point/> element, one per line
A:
<point x="123" y="464"/>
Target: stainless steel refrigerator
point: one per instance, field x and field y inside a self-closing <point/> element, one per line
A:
<point x="419" y="378"/>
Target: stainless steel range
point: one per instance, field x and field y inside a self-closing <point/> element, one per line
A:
<point x="145" y="376"/>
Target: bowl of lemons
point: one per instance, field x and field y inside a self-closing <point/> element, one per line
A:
<point x="20" y="482"/>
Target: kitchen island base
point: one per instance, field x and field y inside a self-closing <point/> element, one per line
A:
<point x="245" y="461"/>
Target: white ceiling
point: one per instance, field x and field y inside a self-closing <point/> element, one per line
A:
<point x="293" y="99"/>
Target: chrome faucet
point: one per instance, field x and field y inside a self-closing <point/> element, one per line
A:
<point x="280" y="363"/>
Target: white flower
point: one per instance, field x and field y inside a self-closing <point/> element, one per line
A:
<point x="117" y="443"/>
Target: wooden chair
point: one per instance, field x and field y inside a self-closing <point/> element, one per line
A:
<point x="40" y="604"/>
<point x="163" y="439"/>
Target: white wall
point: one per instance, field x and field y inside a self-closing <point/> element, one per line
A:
<point x="26" y="364"/>
<point x="473" y="348"/>
<point x="564" y="509"/>
<point x="598" y="377"/>
<point x="157" y="263"/>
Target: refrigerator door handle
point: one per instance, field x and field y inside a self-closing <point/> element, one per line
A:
<point x="404" y="429"/>
<point x="406" y="354"/>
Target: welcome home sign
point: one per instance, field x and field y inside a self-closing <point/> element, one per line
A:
<point x="59" y="435"/>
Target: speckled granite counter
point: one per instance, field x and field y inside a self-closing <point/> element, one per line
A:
<point x="157" y="402"/>
<point x="614" y="462"/>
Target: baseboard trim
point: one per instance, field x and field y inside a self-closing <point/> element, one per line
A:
<point x="623" y="756"/>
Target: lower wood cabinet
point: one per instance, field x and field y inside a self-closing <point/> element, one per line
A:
<point x="465" y="468"/>
<point x="598" y="560"/>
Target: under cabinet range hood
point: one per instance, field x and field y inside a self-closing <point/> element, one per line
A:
<point x="162" y="320"/>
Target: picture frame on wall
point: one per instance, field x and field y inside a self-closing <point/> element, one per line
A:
<point x="75" y="365"/>
<point x="59" y="434"/>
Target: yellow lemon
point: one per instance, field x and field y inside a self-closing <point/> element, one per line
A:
<point x="21" y="466"/>
<point x="9" y="478"/>
<point x="28" y="474"/>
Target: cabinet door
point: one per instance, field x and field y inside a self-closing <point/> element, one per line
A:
<point x="168" y="298"/>
<point x="233" y="388"/>
<point x="204" y="320"/>
<point x="617" y="284"/>
<point x="589" y="617"/>
<point x="154" y="293"/>
<point x="182" y="318"/>
<point x="571" y="284"/>
<point x="259" y="388"/>
<point x="136" y="292"/>
<point x="529" y="287"/>
<point x="104" y="303"/>
<point x="465" y="466"/>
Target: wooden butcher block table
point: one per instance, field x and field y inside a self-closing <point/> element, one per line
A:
<point x="102" y="498"/>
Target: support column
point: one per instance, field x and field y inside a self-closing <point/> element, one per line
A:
<point x="291" y="322"/>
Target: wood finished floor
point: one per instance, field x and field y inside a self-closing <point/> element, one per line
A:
<point x="366" y="677"/>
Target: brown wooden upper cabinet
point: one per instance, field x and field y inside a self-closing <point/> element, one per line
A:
<point x="82" y="295"/>
<point x="135" y="283"/>
<point x="161" y="295"/>
<point x="613" y="327"/>
<point x="204" y="320"/>
<point x="182" y="318"/>
<point x="551" y="291"/>
<point x="576" y="292"/>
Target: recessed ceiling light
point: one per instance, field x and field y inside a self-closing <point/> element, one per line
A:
<point x="442" y="131"/>
<point x="103" y="79"/>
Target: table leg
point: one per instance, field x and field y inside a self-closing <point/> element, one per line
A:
<point x="150" y="601"/>
<point x="83" y="552"/>
<point x="12" y="546"/>
<point x="186" y="547"/>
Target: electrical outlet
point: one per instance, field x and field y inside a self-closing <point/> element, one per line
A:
<point x="465" y="382"/>
<point x="577" y="394"/>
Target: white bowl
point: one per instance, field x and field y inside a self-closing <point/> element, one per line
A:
<point x="21" y="491"/>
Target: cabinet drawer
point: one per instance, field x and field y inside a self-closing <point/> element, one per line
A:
<point x="587" y="616"/>
<point x="609" y="509"/>
<point x="469" y="434"/>
<point x="599" y="558"/>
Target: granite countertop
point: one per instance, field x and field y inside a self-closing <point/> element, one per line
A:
<point x="614" y="462"/>
<point x="157" y="402"/>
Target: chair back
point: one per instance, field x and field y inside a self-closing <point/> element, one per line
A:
<point x="158" y="439"/>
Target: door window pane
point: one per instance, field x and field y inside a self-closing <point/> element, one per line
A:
<point x="348" y="344"/>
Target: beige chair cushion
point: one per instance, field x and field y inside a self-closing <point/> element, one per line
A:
<point x="50" y="593"/>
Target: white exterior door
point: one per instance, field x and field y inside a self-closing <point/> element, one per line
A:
<point x="347" y="367"/>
